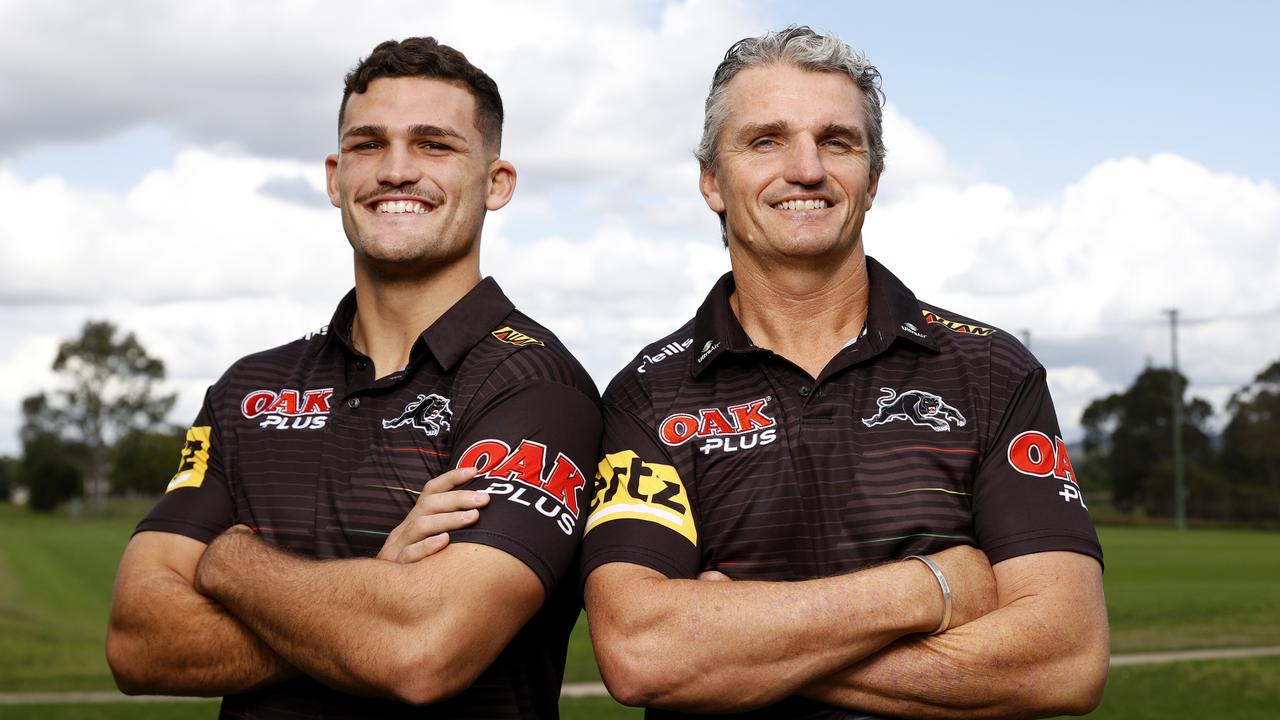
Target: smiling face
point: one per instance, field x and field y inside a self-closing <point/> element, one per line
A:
<point x="414" y="176"/>
<point x="792" y="174"/>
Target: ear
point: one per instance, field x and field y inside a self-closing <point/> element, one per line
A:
<point x="710" y="187"/>
<point x="871" y="190"/>
<point x="502" y="184"/>
<point x="331" y="179"/>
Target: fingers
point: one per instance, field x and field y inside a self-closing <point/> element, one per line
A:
<point x="447" y="481"/>
<point x="423" y="548"/>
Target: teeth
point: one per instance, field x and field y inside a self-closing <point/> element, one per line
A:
<point x="401" y="206"/>
<point x="802" y="205"/>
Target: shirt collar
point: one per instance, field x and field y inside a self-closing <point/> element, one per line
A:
<point x="892" y="312"/>
<point x="454" y="333"/>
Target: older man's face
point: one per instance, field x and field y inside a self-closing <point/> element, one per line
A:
<point x="793" y="175"/>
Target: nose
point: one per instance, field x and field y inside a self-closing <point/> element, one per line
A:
<point x="398" y="166"/>
<point x="804" y="164"/>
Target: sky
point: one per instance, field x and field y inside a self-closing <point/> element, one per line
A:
<point x="1065" y="172"/>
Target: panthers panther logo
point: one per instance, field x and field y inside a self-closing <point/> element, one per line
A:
<point x="916" y="406"/>
<point x="429" y="413"/>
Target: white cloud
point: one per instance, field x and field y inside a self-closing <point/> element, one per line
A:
<point x="210" y="259"/>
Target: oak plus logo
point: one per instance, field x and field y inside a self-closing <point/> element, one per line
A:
<point x="429" y="413"/>
<point x="1033" y="453"/>
<point x="524" y="476"/>
<point x="738" y="427"/>
<point x="288" y="409"/>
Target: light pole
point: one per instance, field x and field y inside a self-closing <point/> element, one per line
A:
<point x="1175" y="394"/>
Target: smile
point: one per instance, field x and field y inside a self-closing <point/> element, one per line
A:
<point x="401" y="206"/>
<point x="802" y="205"/>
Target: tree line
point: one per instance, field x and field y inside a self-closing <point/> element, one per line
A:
<point x="105" y="432"/>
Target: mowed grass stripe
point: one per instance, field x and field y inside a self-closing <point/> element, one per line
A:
<point x="1196" y="589"/>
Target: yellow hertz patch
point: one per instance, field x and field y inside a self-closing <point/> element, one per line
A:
<point x="195" y="460"/>
<point x="626" y="487"/>
<point x="512" y="336"/>
<point x="953" y="326"/>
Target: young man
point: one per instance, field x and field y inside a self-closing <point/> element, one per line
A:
<point x="819" y="421"/>
<point x="255" y="576"/>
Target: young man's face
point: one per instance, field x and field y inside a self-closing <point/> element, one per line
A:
<point x="793" y="173"/>
<point x="413" y="176"/>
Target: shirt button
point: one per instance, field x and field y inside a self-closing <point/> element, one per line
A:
<point x="353" y="403"/>
<point x="362" y="364"/>
<point x="804" y="391"/>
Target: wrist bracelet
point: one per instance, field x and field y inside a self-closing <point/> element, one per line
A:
<point x="946" y="591"/>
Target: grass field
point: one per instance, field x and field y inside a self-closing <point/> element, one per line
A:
<point x="1204" y="588"/>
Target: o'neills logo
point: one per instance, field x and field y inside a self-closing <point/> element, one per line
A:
<point x="288" y="409"/>
<point x="739" y="427"/>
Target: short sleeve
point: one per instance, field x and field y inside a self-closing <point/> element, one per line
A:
<point x="534" y="443"/>
<point x="197" y="502"/>
<point x="641" y="510"/>
<point x="1026" y="495"/>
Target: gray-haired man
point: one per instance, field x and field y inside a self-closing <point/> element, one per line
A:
<point x="838" y="449"/>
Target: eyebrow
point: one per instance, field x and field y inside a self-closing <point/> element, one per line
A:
<point x="380" y="131"/>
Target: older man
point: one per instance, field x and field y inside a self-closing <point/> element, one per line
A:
<point x="833" y="446"/>
<point x="318" y="450"/>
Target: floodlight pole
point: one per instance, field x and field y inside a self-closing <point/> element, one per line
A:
<point x="1175" y="394"/>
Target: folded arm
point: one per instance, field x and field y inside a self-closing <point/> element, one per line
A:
<point x="1043" y="652"/>
<point x="418" y="632"/>
<point x="166" y="638"/>
<point x="708" y="646"/>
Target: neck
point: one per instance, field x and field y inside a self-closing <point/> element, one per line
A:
<point x="392" y="311"/>
<point x="803" y="312"/>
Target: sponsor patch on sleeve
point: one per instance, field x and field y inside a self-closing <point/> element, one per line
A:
<point x="194" y="461"/>
<point x="626" y="487"/>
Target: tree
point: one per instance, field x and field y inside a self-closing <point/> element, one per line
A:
<point x="1251" y="446"/>
<point x="143" y="460"/>
<point x="1130" y="433"/>
<point x="9" y="470"/>
<point x="110" y="391"/>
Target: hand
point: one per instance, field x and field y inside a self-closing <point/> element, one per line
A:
<point x="440" y="508"/>
<point x="973" y="585"/>
<point x="714" y="576"/>
<point x="202" y="581"/>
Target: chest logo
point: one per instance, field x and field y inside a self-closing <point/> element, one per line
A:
<point x="511" y="336"/>
<point x="738" y="427"/>
<point x="429" y="413"/>
<point x="916" y="407"/>
<point x="288" y="409"/>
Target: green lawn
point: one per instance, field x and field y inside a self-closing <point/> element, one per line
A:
<point x="1203" y="588"/>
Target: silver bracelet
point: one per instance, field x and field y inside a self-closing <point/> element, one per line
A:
<point x="946" y="591"/>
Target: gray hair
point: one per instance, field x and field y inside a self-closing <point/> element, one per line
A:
<point x="800" y="46"/>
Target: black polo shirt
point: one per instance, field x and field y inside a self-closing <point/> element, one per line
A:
<point x="303" y="444"/>
<point x="927" y="431"/>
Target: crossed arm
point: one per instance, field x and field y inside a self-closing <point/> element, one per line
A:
<point x="726" y="646"/>
<point x="1041" y="650"/>
<point x="166" y="637"/>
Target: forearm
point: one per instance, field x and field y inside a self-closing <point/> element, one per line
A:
<point x="303" y="610"/>
<point x="1039" y="655"/>
<point x="165" y="638"/>
<point x="708" y="646"/>
<point x="406" y="631"/>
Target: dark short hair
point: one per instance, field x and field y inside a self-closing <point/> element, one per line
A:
<point x="426" y="58"/>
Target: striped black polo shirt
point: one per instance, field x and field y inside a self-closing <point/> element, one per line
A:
<point x="927" y="431"/>
<point x="305" y="445"/>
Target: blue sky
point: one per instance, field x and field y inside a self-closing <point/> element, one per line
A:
<point x="1071" y="169"/>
